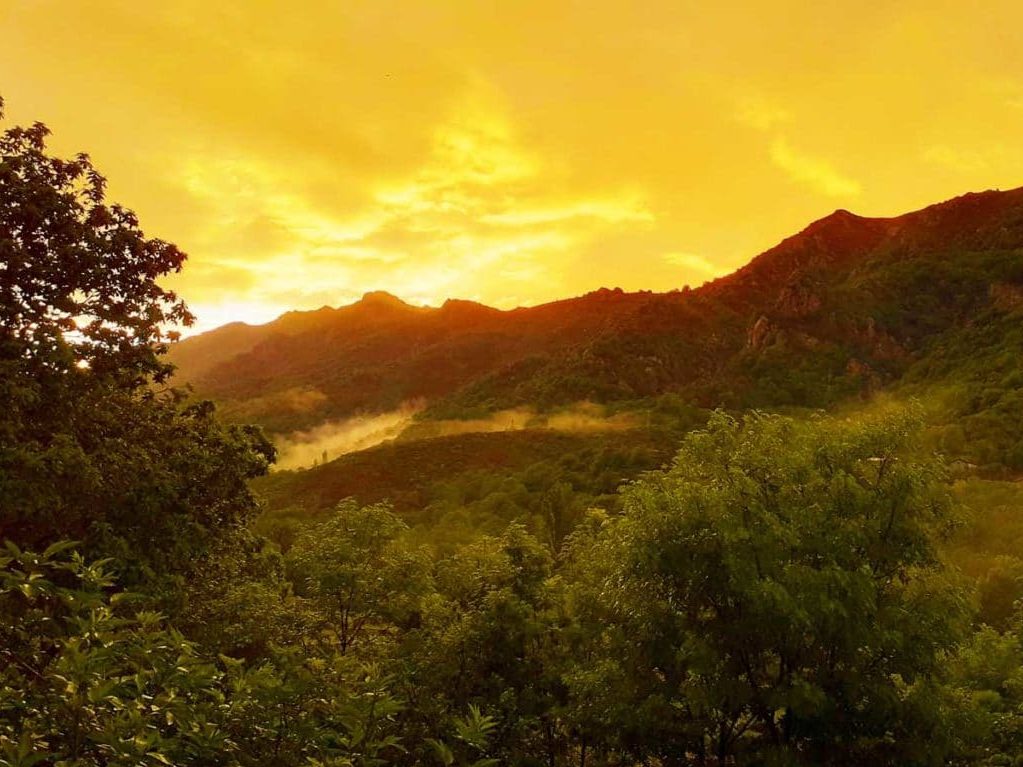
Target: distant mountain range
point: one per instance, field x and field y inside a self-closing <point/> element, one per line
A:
<point x="844" y="307"/>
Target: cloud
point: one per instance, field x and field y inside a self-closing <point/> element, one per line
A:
<point x="626" y="209"/>
<point x="695" y="262"/>
<point x="814" y="172"/>
<point x="510" y="152"/>
<point x="475" y="208"/>
<point x="965" y="161"/>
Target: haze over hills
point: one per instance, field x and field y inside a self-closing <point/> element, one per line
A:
<point x="847" y="306"/>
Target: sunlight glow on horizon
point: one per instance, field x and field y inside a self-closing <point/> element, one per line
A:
<point x="513" y="154"/>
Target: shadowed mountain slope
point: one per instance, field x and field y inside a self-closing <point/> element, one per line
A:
<point x="847" y="305"/>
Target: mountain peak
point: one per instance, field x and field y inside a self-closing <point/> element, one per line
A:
<point x="839" y="220"/>
<point x="381" y="298"/>
<point x="380" y="303"/>
<point x="462" y="304"/>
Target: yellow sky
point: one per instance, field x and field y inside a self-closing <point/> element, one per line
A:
<point x="511" y="152"/>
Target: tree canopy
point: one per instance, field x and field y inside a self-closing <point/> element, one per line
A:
<point x="93" y="444"/>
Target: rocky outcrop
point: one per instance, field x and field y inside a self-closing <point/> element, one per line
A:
<point x="797" y="299"/>
<point x="881" y="343"/>
<point x="759" y="333"/>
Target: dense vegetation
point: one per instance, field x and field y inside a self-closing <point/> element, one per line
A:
<point x="927" y="302"/>
<point x="706" y="589"/>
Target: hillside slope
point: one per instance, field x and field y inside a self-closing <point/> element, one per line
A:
<point x="846" y="306"/>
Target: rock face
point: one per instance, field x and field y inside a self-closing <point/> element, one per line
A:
<point x="797" y="300"/>
<point x="881" y="343"/>
<point x="759" y="333"/>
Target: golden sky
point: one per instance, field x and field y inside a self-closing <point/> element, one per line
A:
<point x="306" y="152"/>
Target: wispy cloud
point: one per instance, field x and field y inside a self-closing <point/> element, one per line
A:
<point x="761" y="113"/>
<point x="960" y="160"/>
<point x="512" y="152"/>
<point x="695" y="262"/>
<point x="477" y="206"/>
<point x="814" y="172"/>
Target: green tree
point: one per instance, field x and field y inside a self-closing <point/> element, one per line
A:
<point x="987" y="673"/>
<point x="93" y="444"/>
<point x="362" y="578"/>
<point x="85" y="681"/>
<point x="777" y="594"/>
<point x="486" y="640"/>
<point x="87" y="678"/>
<point x="472" y="734"/>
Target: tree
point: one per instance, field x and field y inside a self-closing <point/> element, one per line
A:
<point x="87" y="678"/>
<point x="93" y="443"/>
<point x="485" y="641"/>
<point x="85" y="681"/>
<point x="78" y="278"/>
<point x="471" y="734"/>
<point x="987" y="674"/>
<point x="777" y="595"/>
<point x="359" y="574"/>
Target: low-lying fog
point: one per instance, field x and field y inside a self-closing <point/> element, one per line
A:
<point x="302" y="449"/>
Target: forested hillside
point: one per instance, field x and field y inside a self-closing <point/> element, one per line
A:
<point x="847" y="304"/>
<point x="769" y="521"/>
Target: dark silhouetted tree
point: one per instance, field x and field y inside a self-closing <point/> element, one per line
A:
<point x="93" y="443"/>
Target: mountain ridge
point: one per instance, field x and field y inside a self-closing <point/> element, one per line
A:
<point x="376" y="297"/>
<point x="844" y="306"/>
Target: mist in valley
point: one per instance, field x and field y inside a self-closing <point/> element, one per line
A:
<point x="332" y="439"/>
<point x="306" y="448"/>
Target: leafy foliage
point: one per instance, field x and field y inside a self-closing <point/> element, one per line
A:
<point x="87" y="681"/>
<point x="92" y="444"/>
<point x="779" y="592"/>
<point x="358" y="574"/>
